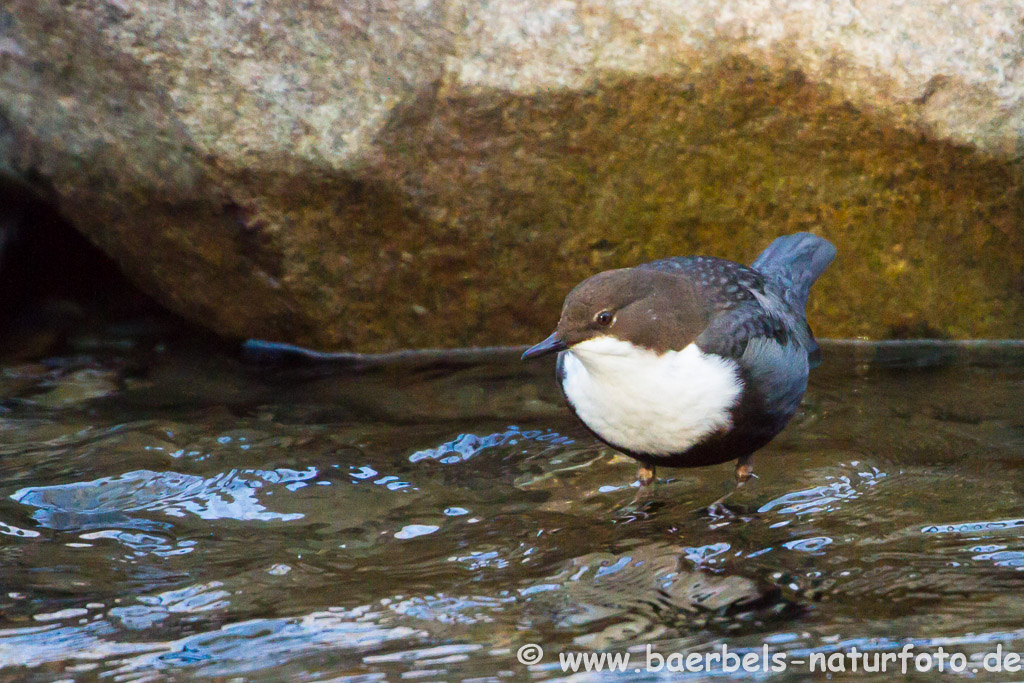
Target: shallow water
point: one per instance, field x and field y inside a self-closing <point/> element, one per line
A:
<point x="181" y="513"/>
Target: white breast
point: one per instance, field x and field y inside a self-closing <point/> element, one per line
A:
<point x="649" y="403"/>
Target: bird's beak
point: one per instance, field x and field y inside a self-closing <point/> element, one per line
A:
<point x="549" y="345"/>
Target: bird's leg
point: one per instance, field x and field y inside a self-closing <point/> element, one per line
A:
<point x="744" y="473"/>
<point x="646" y="475"/>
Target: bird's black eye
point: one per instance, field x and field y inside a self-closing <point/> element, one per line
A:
<point x="604" y="318"/>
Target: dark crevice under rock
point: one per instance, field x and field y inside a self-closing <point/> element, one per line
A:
<point x="60" y="293"/>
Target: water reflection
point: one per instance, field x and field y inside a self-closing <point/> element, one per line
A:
<point x="826" y="497"/>
<point x="110" y="501"/>
<point x="154" y="609"/>
<point x="250" y="646"/>
<point x="466" y="446"/>
<point x="973" y="527"/>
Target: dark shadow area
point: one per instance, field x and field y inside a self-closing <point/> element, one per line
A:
<point x="60" y="294"/>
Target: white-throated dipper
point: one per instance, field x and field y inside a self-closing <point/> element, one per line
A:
<point x="691" y="361"/>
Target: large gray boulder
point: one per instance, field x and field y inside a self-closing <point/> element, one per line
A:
<point x="383" y="174"/>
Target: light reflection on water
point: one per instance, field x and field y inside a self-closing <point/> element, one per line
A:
<point x="295" y="533"/>
<point x="825" y="498"/>
<point x="113" y="500"/>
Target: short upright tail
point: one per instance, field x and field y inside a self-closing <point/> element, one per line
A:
<point x="796" y="261"/>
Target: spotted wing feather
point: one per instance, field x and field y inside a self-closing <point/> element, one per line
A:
<point x="753" y="324"/>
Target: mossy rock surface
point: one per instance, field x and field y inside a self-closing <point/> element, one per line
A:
<point x="346" y="193"/>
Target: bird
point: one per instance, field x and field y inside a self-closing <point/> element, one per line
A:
<point x="691" y="361"/>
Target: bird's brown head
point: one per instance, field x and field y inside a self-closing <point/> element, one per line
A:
<point x="649" y="308"/>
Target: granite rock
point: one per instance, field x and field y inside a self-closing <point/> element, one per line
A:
<point x="385" y="174"/>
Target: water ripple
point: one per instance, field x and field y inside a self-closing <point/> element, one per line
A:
<point x="105" y="502"/>
<point x="808" y="545"/>
<point x="204" y="597"/>
<point x="449" y="609"/>
<point x="25" y="647"/>
<point x="465" y="446"/>
<point x="263" y="643"/>
<point x="143" y="544"/>
<point x="972" y="527"/>
<point x="824" y="498"/>
<point x="1000" y="556"/>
